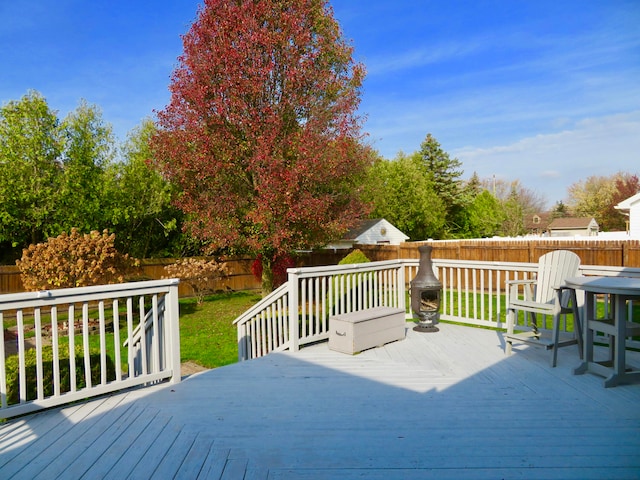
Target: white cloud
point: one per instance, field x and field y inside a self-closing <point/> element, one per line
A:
<point x="550" y="163"/>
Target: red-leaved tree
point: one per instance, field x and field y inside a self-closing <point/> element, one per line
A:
<point x="261" y="132"/>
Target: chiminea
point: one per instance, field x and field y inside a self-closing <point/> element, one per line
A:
<point x="426" y="290"/>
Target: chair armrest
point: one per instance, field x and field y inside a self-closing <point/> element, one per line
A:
<point x="563" y="296"/>
<point x="512" y="286"/>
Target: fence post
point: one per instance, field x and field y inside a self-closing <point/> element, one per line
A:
<point x="294" y="327"/>
<point x="173" y="330"/>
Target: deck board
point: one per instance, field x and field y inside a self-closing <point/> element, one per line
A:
<point x="439" y="405"/>
<point x="213" y="464"/>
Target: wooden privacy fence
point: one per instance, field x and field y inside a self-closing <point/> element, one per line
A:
<point x="615" y="253"/>
<point x="240" y="277"/>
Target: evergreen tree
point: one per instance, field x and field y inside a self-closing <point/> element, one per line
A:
<point x="445" y="173"/>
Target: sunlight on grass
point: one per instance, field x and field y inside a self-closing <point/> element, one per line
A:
<point x="207" y="334"/>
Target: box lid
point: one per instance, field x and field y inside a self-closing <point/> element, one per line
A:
<point x="368" y="314"/>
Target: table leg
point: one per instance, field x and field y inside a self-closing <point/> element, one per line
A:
<point x="587" y="355"/>
<point x="617" y="344"/>
<point x="577" y="323"/>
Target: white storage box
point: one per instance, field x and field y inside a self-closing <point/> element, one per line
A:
<point x="373" y="327"/>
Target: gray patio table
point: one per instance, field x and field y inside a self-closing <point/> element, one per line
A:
<point x="616" y="324"/>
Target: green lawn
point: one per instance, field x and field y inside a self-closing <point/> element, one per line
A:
<point x="207" y="334"/>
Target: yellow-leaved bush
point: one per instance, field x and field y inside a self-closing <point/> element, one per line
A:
<point x="198" y="273"/>
<point x="74" y="260"/>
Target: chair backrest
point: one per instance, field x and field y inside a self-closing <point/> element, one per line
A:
<point x="553" y="268"/>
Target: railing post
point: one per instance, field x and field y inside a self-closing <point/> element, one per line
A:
<point x="294" y="327"/>
<point x="173" y="330"/>
<point x="402" y="297"/>
<point x="242" y="351"/>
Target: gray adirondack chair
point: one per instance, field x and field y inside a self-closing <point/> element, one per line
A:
<point x="544" y="296"/>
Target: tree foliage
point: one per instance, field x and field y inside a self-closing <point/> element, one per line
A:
<point x="73" y="260"/>
<point x="57" y="175"/>
<point x="627" y="185"/>
<point x="596" y="196"/>
<point x="445" y="173"/>
<point x="261" y="133"/>
<point x="140" y="200"/>
<point x="89" y="148"/>
<point x="517" y="203"/>
<point x="484" y="215"/>
<point x="401" y="192"/>
<point x="30" y="148"/>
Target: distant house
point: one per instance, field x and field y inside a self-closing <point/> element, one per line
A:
<point x="371" y="232"/>
<point x="538" y="223"/>
<point x="571" y="226"/>
<point x="631" y="207"/>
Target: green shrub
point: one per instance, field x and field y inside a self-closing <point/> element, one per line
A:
<point x="12" y="366"/>
<point x="354" y="257"/>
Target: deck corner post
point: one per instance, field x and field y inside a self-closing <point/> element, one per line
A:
<point x="294" y="327"/>
<point x="173" y="333"/>
<point x="242" y="350"/>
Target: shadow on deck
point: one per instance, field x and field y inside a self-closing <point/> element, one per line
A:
<point x="444" y="405"/>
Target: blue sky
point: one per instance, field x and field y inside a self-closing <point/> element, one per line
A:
<point x="546" y="92"/>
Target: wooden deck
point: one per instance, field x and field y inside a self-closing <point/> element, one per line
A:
<point x="447" y="405"/>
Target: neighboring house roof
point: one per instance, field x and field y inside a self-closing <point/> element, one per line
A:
<point x="361" y="228"/>
<point x="572" y="223"/>
<point x="371" y="232"/>
<point x="538" y="221"/>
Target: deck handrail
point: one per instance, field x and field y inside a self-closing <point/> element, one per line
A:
<point x="255" y="320"/>
<point x="474" y="293"/>
<point x="297" y="312"/>
<point x="70" y="313"/>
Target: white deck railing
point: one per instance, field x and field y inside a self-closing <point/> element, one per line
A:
<point x="80" y="342"/>
<point x="298" y="312"/>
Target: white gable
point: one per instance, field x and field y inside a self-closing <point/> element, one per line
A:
<point x="629" y="202"/>
<point x="381" y="232"/>
<point x="632" y="206"/>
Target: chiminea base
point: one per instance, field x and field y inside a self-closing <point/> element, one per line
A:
<point x="425" y="329"/>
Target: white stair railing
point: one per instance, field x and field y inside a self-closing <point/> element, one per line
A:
<point x="264" y="327"/>
<point x="70" y="343"/>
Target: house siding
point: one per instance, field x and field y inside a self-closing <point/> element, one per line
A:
<point x="382" y="232"/>
<point x="634" y="220"/>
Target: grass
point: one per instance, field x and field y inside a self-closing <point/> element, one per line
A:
<point x="207" y="334"/>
